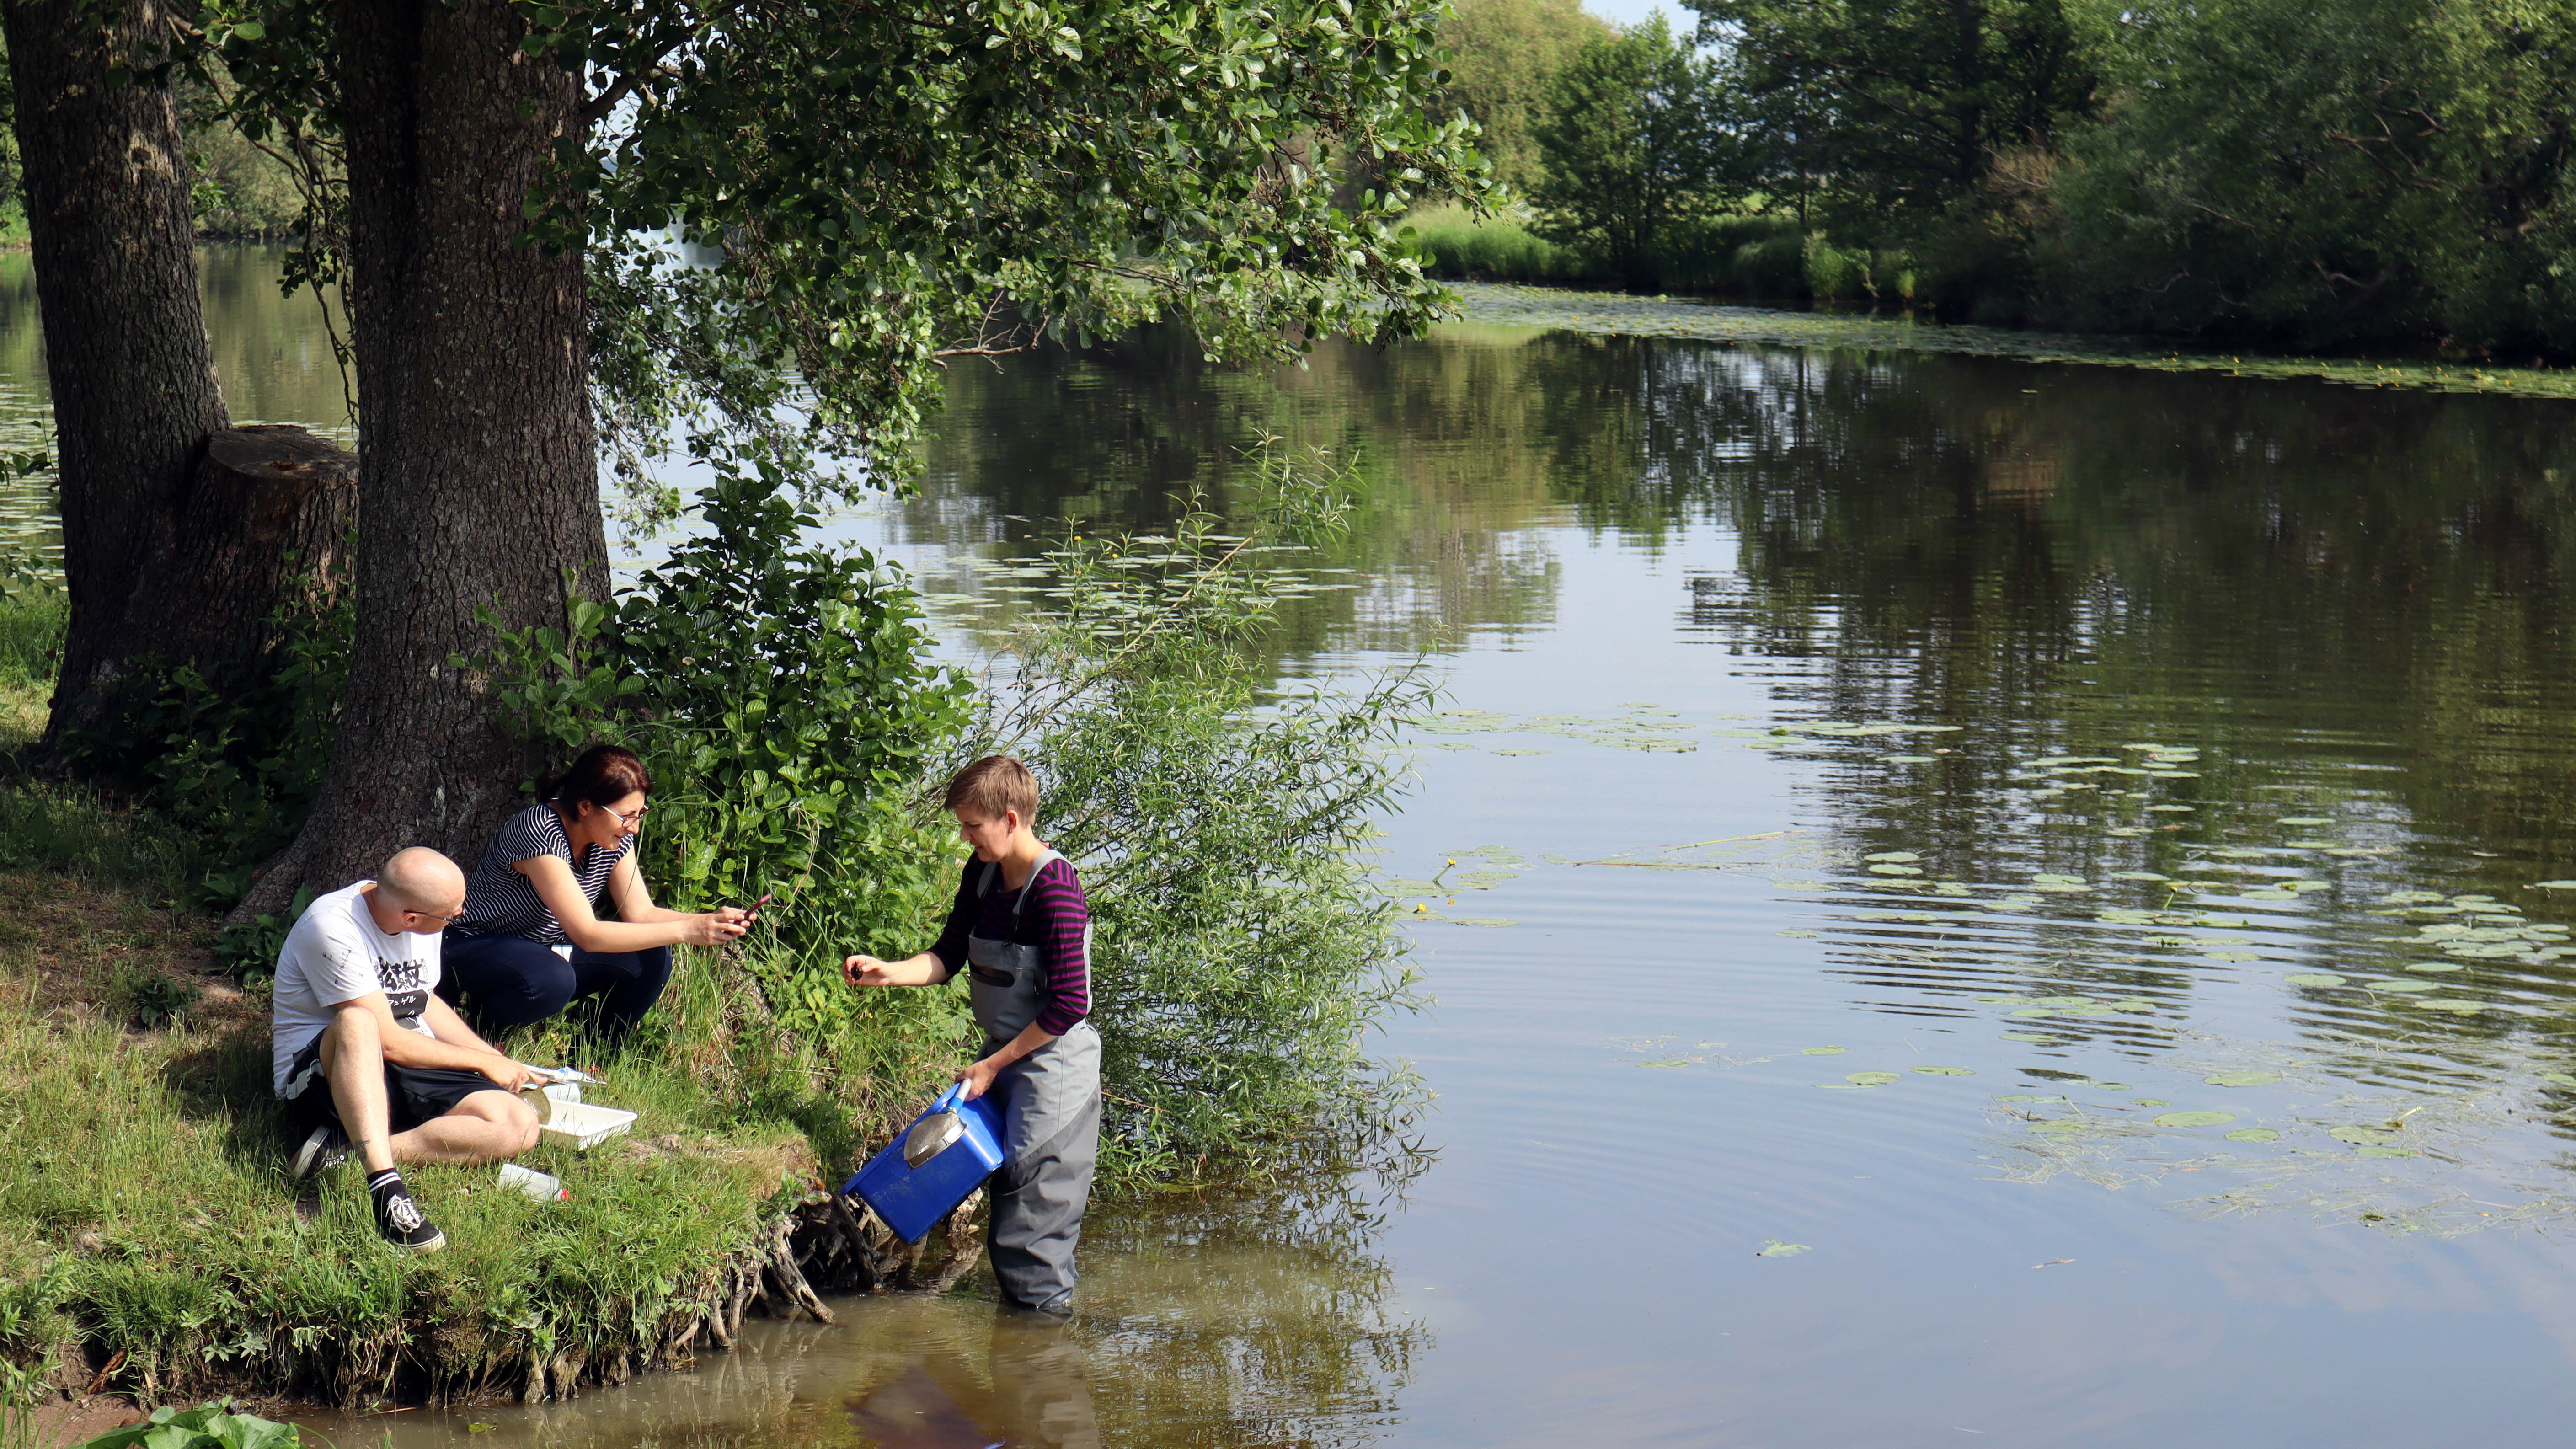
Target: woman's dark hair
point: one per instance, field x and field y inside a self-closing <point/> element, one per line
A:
<point x="604" y="775"/>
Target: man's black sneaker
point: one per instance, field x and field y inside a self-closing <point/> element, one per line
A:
<point x="327" y="1148"/>
<point x="398" y="1217"/>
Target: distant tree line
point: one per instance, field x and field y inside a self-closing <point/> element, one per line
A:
<point x="2305" y="172"/>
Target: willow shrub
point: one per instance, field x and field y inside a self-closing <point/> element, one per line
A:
<point x="1241" y="954"/>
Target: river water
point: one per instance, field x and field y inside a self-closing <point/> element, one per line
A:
<point x="1992" y="903"/>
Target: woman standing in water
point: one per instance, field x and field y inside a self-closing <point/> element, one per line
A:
<point x="530" y="940"/>
<point x="1021" y="931"/>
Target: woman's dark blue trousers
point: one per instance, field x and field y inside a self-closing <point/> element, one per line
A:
<point x="498" y="982"/>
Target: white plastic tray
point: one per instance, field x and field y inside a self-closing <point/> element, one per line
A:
<point x="586" y="1124"/>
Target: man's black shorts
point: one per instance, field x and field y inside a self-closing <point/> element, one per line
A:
<point x="413" y="1095"/>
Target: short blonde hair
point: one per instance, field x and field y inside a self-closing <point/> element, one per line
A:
<point x="992" y="785"/>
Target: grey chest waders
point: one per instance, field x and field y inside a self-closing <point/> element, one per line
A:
<point x="1050" y="1103"/>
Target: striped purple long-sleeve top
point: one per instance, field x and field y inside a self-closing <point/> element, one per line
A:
<point x="1053" y="919"/>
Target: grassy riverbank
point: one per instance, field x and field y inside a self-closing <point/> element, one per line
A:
<point x="1621" y="314"/>
<point x="150" y="1242"/>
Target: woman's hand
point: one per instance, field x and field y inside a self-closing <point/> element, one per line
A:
<point x="978" y="1078"/>
<point x="712" y="929"/>
<point x="865" y="970"/>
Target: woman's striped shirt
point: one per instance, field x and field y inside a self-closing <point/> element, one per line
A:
<point x="1056" y="920"/>
<point x="501" y="902"/>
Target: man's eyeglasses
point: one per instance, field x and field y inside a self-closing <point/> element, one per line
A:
<point x="443" y="921"/>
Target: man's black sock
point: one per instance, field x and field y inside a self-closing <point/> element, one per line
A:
<point x="382" y="1185"/>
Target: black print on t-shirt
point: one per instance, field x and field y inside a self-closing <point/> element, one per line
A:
<point x="401" y="981"/>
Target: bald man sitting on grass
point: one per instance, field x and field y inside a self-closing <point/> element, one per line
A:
<point x="367" y="1056"/>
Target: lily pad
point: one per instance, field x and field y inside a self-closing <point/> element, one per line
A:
<point x="1886" y="868"/>
<point x="2035" y="1037"/>
<point x="2303" y="820"/>
<point x="2459" y="1004"/>
<point x="1907" y="759"/>
<point x="2401" y="987"/>
<point x="2153" y="1102"/>
<point x="1894" y="857"/>
<point x="1821" y="1051"/>
<point x="1484" y="921"/>
<point x="2552" y="885"/>
<point x="2242" y="1079"/>
<point x="2435" y="966"/>
<point x="2253" y="1134"/>
<point x="1774" y="1248"/>
<point x="1870" y="1079"/>
<point x="2373" y="1150"/>
<point x="2316" y="978"/>
<point x="2194" y="1119"/>
<point x="1946" y="1071"/>
<point x="2560" y="1079"/>
<point x="2358" y="1136"/>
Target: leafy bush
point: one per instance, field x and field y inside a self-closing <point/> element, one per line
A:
<point x="1833" y="274"/>
<point x="785" y="702"/>
<point x="209" y="1426"/>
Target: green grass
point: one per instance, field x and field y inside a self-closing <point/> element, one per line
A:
<point x="31" y="629"/>
<point x="1455" y="244"/>
<point x="145" y="1214"/>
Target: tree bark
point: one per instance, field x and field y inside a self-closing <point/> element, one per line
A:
<point x="133" y="379"/>
<point x="478" y="486"/>
<point x="266" y="510"/>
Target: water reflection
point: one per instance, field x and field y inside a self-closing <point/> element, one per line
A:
<point x="1031" y="1386"/>
<point x="272" y="354"/>
<point x="1208" y="1321"/>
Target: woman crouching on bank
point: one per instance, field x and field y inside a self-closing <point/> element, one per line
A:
<point x="1022" y="931"/>
<point x="530" y="940"/>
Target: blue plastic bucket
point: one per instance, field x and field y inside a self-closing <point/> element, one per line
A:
<point x="912" y="1200"/>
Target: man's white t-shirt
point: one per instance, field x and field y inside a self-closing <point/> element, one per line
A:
<point x="335" y="955"/>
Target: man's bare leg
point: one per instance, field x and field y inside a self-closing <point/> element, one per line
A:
<point x="485" y="1127"/>
<point x="353" y="1059"/>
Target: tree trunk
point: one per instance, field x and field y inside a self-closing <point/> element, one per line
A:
<point x="478" y="486"/>
<point x="125" y="342"/>
<point x="266" y="509"/>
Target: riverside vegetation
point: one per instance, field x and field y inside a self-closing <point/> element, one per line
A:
<point x="782" y="692"/>
<point x="2381" y="172"/>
